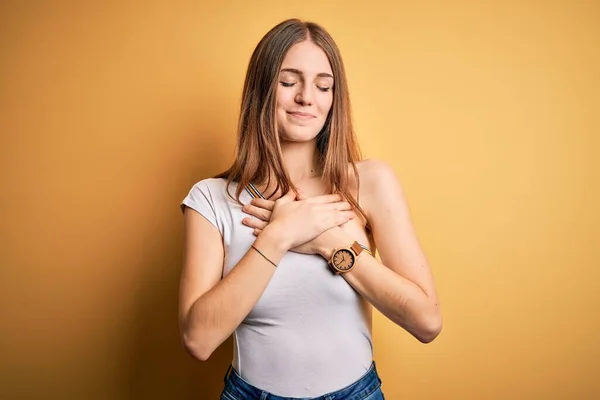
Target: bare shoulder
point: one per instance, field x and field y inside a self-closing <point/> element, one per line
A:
<point x="378" y="181"/>
<point x="375" y="172"/>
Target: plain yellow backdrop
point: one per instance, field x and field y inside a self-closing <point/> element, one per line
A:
<point x="488" y="112"/>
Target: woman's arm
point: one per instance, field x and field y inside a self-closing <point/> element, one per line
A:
<point x="402" y="285"/>
<point x="210" y="308"/>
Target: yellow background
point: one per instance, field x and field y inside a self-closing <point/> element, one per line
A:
<point x="488" y="113"/>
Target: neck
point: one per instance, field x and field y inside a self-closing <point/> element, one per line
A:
<point x="301" y="160"/>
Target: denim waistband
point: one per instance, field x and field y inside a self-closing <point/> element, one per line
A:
<point x="236" y="388"/>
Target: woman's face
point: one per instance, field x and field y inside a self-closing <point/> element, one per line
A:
<point x="304" y="93"/>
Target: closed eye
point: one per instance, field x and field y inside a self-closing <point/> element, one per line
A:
<point x="291" y="84"/>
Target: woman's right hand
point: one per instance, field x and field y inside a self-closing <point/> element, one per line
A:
<point x="297" y="221"/>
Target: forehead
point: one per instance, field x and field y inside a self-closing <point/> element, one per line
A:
<point x="308" y="58"/>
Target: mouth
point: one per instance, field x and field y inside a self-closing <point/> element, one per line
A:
<point x="301" y="115"/>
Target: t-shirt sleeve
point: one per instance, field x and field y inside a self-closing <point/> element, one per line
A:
<point x="201" y="200"/>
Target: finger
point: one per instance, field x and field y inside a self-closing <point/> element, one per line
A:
<point x="259" y="213"/>
<point x="326" y="198"/>
<point x="338" y="206"/>
<point x="300" y="195"/>
<point x="254" y="223"/>
<point x="338" y="218"/>
<point x="288" y="197"/>
<point x="257" y="232"/>
<point x="345" y="216"/>
<point x="263" y="203"/>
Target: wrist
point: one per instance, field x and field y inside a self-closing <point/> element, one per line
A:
<point x="272" y="238"/>
<point x="335" y="239"/>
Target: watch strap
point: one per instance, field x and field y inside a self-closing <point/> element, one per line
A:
<point x="356" y="248"/>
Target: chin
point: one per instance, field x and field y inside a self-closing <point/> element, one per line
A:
<point x="297" y="139"/>
<point x="299" y="134"/>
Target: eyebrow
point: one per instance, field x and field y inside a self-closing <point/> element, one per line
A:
<point x="298" y="72"/>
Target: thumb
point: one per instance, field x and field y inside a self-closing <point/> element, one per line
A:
<point x="300" y="195"/>
<point x="288" y="197"/>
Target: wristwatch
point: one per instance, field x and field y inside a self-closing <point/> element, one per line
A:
<point x="343" y="259"/>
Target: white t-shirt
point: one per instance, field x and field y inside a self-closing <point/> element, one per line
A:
<point x="308" y="334"/>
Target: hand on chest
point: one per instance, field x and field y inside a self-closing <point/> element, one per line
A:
<point x="355" y="228"/>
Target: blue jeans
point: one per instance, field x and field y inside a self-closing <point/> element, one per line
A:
<point x="368" y="387"/>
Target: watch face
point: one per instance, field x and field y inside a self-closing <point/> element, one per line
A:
<point x="343" y="259"/>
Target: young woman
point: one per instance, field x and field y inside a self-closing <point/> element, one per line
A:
<point x="279" y="248"/>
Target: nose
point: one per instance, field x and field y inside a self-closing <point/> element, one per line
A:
<point x="304" y="95"/>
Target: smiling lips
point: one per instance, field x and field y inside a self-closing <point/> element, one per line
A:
<point x="301" y="115"/>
